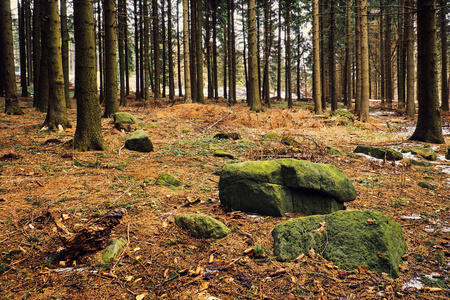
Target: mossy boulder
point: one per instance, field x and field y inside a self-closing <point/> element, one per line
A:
<point x="124" y="118"/>
<point x="379" y="152"/>
<point x="343" y="117"/>
<point x="113" y="250"/>
<point x="168" y="180"/>
<point x="347" y="238"/>
<point x="421" y="163"/>
<point x="221" y="153"/>
<point x="202" y="226"/>
<point x="270" y="136"/>
<point x="425" y="152"/>
<point x="334" y="151"/>
<point x="279" y="186"/>
<point x="139" y="141"/>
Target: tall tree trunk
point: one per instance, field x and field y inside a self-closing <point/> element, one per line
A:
<point x="245" y="54"/>
<point x="365" y="86"/>
<point x="187" y="68"/>
<point x="215" y="72"/>
<point x="429" y="128"/>
<point x="255" y="100"/>
<point x="444" y="60"/>
<point x="332" y="60"/>
<point x="11" y="101"/>
<point x="101" y="55"/>
<point x="127" y="55"/>
<point x="401" y="71"/>
<point x="348" y="57"/>
<point x="65" y="51"/>
<point x="43" y="91"/>
<point x="111" y="104"/>
<point x="322" y="52"/>
<point x="317" y="86"/>
<point x="28" y="24"/>
<point x="170" y="52"/>
<point x="208" y="47"/>
<point x="180" y="91"/>
<point x="288" y="53"/>
<point x="136" y="49"/>
<point x="121" y="17"/>
<point x="266" y="83"/>
<point x="279" y="55"/>
<point x="23" y="50"/>
<point x="387" y="58"/>
<point x="36" y="48"/>
<point x="233" y="54"/>
<point x="156" y="48"/>
<point x="146" y="55"/>
<point x="358" y="56"/>
<point x="225" y="59"/>
<point x="88" y="134"/>
<point x="410" y="106"/>
<point x="164" y="49"/>
<point x="193" y="49"/>
<point x="200" y="97"/>
<point x="56" y="118"/>
<point x="230" y="25"/>
<point x="382" y="55"/>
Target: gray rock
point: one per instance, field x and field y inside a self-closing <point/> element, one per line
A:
<point x="202" y="226"/>
<point x="379" y="152"/>
<point x="113" y="250"/>
<point x="347" y="238"/>
<point x="124" y="118"/>
<point x="139" y="141"/>
<point x="284" y="185"/>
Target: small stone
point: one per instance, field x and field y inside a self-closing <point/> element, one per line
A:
<point x="421" y="163"/>
<point x="228" y="136"/>
<point x="426" y="185"/>
<point x="221" y="153"/>
<point x="112" y="251"/>
<point x="202" y="226"/>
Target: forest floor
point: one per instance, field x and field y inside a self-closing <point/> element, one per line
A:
<point x="43" y="181"/>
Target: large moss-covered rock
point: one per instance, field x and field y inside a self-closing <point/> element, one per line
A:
<point x="284" y="185"/>
<point x="139" y="141"/>
<point x="124" y="118"/>
<point x="168" y="180"/>
<point x="113" y="250"/>
<point x="202" y="226"/>
<point x="344" y="117"/>
<point x="426" y="152"/>
<point x="379" y="152"/>
<point x="347" y="238"/>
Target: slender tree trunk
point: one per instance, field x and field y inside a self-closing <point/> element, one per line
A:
<point x="170" y="52"/>
<point x="111" y="104"/>
<point x="156" y="48"/>
<point x="225" y="59"/>
<point x="410" y="106"/>
<point x="322" y="53"/>
<point x="187" y="68"/>
<point x="136" y="49"/>
<point x="43" y="91"/>
<point x="28" y="24"/>
<point x="358" y="56"/>
<point x="88" y="134"/>
<point x="164" y="50"/>
<point x="266" y="83"/>
<point x="193" y="49"/>
<point x="36" y="48"/>
<point x="365" y="86"/>
<point x="348" y="56"/>
<point x="146" y="47"/>
<point x="387" y="58"/>
<point x="317" y="92"/>
<point x="429" y="128"/>
<point x="65" y="51"/>
<point x="200" y="97"/>
<point x="288" y="53"/>
<point x="121" y="17"/>
<point x="101" y="55"/>
<point x="56" y="118"/>
<point x="180" y="91"/>
<point x="231" y="100"/>
<point x="23" y="50"/>
<point x="382" y="54"/>
<point x="233" y="54"/>
<point x="444" y="56"/>
<point x="331" y="59"/>
<point x="215" y="75"/>
<point x="208" y="47"/>
<point x="255" y="100"/>
<point x="245" y="54"/>
<point x="401" y="71"/>
<point x="11" y="101"/>
<point x="127" y="55"/>
<point x="279" y="55"/>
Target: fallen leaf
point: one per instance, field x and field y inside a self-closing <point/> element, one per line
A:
<point x="293" y="279"/>
<point x="141" y="296"/>
<point x="323" y="227"/>
<point x="166" y="273"/>
<point x="311" y="253"/>
<point x="128" y="278"/>
<point x="289" y="215"/>
<point x="370" y="221"/>
<point x="204" y="286"/>
<point x="277" y="272"/>
<point x="301" y="258"/>
<point x="211" y="259"/>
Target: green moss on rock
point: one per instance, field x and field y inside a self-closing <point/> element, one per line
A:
<point x="334" y="151"/>
<point x="421" y="163"/>
<point x="221" y="153"/>
<point x="349" y="239"/>
<point x="426" y="185"/>
<point x="168" y="180"/>
<point x="124" y="118"/>
<point x="271" y="136"/>
<point x="113" y="250"/>
<point x="344" y="117"/>
<point x="379" y="152"/>
<point x="425" y="152"/>
<point x="202" y="226"/>
<point x="139" y="141"/>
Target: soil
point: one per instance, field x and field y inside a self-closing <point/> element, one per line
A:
<point x="46" y="186"/>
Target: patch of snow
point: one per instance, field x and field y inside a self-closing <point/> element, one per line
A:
<point x="415" y="282"/>
<point x="68" y="269"/>
<point x="411" y="217"/>
<point x="380" y="113"/>
<point x="428" y="229"/>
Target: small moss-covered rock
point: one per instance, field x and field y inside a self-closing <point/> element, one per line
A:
<point x="447" y="154"/>
<point x="271" y="136"/>
<point x="284" y="185"/>
<point x="421" y="163"/>
<point x="221" y="153"/>
<point x="124" y="118"/>
<point x="228" y="136"/>
<point x="426" y="185"/>
<point x="347" y="238"/>
<point x="425" y="152"/>
<point x="202" y="226"/>
<point x="113" y="250"/>
<point x="289" y="141"/>
<point x="334" y="151"/>
<point x="149" y="180"/>
<point x="139" y="141"/>
<point x="344" y="117"/>
<point x="168" y="180"/>
<point x="4" y="267"/>
<point x="379" y="152"/>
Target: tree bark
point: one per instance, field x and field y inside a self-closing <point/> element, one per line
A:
<point x="401" y="70"/>
<point x="358" y="56"/>
<point x="146" y="64"/>
<point x="187" y="68"/>
<point x="348" y="57"/>
<point x="109" y="18"/>
<point x="266" y="83"/>
<point x="410" y="106"/>
<point x="23" y="50"/>
<point x="255" y="100"/>
<point x="121" y="17"/>
<point x="156" y="91"/>
<point x="387" y="57"/>
<point x="444" y="56"/>
<point x="429" y="128"/>
<point x="88" y="134"/>
<point x="170" y="52"/>
<point x="332" y="60"/>
<point x="43" y="90"/>
<point x="317" y="92"/>
<point x="65" y="51"/>
<point x="364" y="111"/>
<point x="136" y="49"/>
<point x="11" y="101"/>
<point x="36" y="48"/>
<point x="288" y="53"/>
